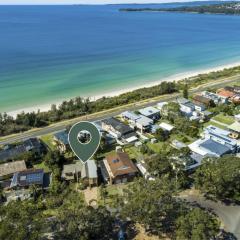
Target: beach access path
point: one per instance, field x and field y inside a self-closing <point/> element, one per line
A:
<point x="56" y="127"/>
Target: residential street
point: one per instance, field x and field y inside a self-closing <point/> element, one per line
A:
<point x="228" y="214"/>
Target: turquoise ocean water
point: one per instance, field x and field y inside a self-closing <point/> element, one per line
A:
<point x="50" y="53"/>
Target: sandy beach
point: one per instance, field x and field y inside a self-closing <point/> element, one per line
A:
<point x="176" y="77"/>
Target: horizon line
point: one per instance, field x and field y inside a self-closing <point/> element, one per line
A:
<point x="96" y="4"/>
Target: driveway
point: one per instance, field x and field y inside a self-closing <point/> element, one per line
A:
<point x="228" y="214"/>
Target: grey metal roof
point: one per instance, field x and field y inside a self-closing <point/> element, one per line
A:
<point x="144" y="121"/>
<point x="91" y="169"/>
<point x="130" y="115"/>
<point x="189" y="104"/>
<point x="215" y="147"/>
<point x="27" y="145"/>
<point x="62" y="137"/>
<point x="27" y="178"/>
<point x="148" y="111"/>
<point x="118" y="125"/>
<point x="182" y="100"/>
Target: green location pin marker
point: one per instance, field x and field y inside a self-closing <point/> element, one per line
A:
<point x="84" y="139"/>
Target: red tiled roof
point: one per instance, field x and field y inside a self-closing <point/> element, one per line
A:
<point x="120" y="164"/>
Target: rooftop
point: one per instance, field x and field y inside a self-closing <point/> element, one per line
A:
<point x="181" y="100"/>
<point x="130" y="115"/>
<point x="201" y="99"/>
<point x="148" y="111"/>
<point x="166" y="126"/>
<point x="27" y="178"/>
<point x="91" y="169"/>
<point x="71" y="168"/>
<point x="215" y="147"/>
<point x="12" y="167"/>
<point x="235" y="127"/>
<point x="120" y="164"/>
<point x="225" y="93"/>
<point x="117" y="125"/>
<point x="144" y="121"/>
<point x="62" y="137"/>
<point x="13" y="151"/>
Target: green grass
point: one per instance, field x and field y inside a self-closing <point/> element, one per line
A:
<point x="224" y="119"/>
<point x="215" y="124"/>
<point x="43" y="166"/>
<point x="156" y="147"/>
<point x="112" y="190"/>
<point x="133" y="152"/>
<point x="48" y="140"/>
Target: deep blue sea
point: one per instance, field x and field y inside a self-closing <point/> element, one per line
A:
<point x="50" y="53"/>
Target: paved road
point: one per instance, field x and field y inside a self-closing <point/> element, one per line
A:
<point x="101" y="115"/>
<point x="228" y="214"/>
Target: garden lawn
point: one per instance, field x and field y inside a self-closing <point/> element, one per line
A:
<point x="48" y="140"/>
<point x="224" y="119"/>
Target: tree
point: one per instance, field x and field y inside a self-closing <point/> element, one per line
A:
<point x="159" y="165"/>
<point x="83" y="222"/>
<point x="162" y="135"/>
<point x="185" y="91"/>
<point x="171" y="111"/>
<point x="54" y="159"/>
<point x="219" y="178"/>
<point x="151" y="203"/>
<point x="21" y="220"/>
<point x="197" y="224"/>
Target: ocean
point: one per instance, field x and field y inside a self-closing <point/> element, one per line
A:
<point x="52" y="53"/>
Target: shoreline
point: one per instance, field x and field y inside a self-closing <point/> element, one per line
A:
<point x="177" y="77"/>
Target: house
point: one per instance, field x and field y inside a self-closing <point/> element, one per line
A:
<point x="26" y="178"/>
<point x="225" y="93"/>
<point x="215" y="143"/>
<point x="186" y="106"/>
<point x="150" y="112"/>
<point x="186" y="161"/>
<point x="8" y="169"/>
<point x="72" y="172"/>
<point x="154" y="128"/>
<point x="198" y="99"/>
<point x="221" y="136"/>
<point x="79" y="171"/>
<point x="61" y="140"/>
<point x="118" y="168"/>
<point x="130" y="116"/>
<point x="29" y="145"/>
<point x="119" y="130"/>
<point x="166" y="126"/>
<point x="199" y="107"/>
<point x="217" y="99"/>
<point x="194" y="111"/>
<point x="138" y="121"/>
<point x="143" y="123"/>
<point x="208" y="147"/>
<point x="230" y="93"/>
<point x="91" y="176"/>
<point x="108" y="138"/>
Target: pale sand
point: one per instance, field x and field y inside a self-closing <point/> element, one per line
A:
<point x="176" y="77"/>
